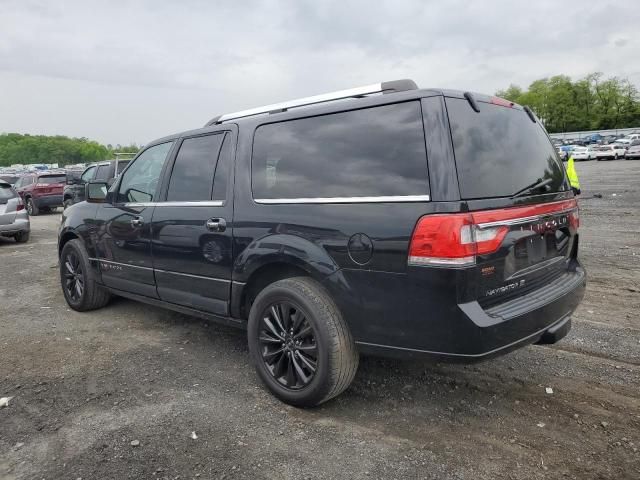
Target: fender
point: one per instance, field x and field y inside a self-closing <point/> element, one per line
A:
<point x="278" y="249"/>
<point x="283" y="248"/>
<point x="78" y="221"/>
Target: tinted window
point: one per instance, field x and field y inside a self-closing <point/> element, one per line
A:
<point x="500" y="151"/>
<point x="88" y="174"/>
<point x="361" y="153"/>
<point x="103" y="172"/>
<point x="140" y="181"/>
<point x="223" y="169"/>
<point x="6" y="192"/>
<point x="51" y="179"/>
<point x="195" y="165"/>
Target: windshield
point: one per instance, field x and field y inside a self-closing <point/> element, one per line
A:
<point x="500" y="151"/>
<point x="51" y="179"/>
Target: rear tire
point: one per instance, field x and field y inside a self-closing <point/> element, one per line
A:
<point x="22" y="237"/>
<point x="79" y="287"/>
<point x="32" y="208"/>
<point x="284" y="359"/>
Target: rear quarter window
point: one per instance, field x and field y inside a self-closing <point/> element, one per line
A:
<point x="6" y="192"/>
<point x="372" y="152"/>
<point x="499" y="151"/>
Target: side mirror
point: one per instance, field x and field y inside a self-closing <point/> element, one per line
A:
<point x="96" y="191"/>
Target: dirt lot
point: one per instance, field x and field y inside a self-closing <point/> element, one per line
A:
<point x="85" y="386"/>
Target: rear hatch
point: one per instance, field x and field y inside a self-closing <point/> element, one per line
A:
<point x="524" y="220"/>
<point x="52" y="184"/>
<point x="9" y="201"/>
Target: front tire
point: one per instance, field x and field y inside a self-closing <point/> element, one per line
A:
<point x="301" y="346"/>
<point x="32" y="208"/>
<point x="80" y="289"/>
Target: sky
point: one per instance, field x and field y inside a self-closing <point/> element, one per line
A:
<point x="132" y="71"/>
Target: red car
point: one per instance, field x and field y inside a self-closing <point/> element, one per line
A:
<point x="41" y="191"/>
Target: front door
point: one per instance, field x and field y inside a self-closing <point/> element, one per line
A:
<point x="123" y="238"/>
<point x="192" y="227"/>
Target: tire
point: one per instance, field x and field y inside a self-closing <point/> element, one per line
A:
<point x="22" y="237"/>
<point x="615" y="157"/>
<point x="336" y="356"/>
<point x="32" y="208"/>
<point x="74" y="267"/>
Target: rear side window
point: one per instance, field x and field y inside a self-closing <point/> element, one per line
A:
<point x="88" y="173"/>
<point x="193" y="170"/>
<point x="121" y="165"/>
<point x="500" y="152"/>
<point x="51" y="179"/>
<point x="372" y="152"/>
<point x="103" y="172"/>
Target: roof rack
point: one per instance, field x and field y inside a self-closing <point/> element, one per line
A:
<point x="358" y="92"/>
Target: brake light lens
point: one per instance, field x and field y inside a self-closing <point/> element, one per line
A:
<point x="502" y="102"/>
<point x="20" y="206"/>
<point x="456" y="239"/>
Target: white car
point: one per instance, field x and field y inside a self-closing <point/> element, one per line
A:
<point x="610" y="152"/>
<point x="584" y="153"/>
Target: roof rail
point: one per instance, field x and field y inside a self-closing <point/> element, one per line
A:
<point x="383" y="87"/>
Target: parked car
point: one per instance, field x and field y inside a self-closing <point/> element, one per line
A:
<point x="14" y="221"/>
<point x="41" y="191"/>
<point x="612" y="151"/>
<point x="103" y="171"/>
<point x="633" y="152"/>
<point x="584" y="153"/>
<point x="328" y="231"/>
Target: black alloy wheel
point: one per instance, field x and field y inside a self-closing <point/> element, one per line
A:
<point x="288" y="345"/>
<point x="74" y="281"/>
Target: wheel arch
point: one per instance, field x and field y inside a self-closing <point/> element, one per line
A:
<point x="273" y="258"/>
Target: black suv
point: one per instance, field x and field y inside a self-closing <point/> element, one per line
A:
<point x="104" y="171"/>
<point x="383" y="220"/>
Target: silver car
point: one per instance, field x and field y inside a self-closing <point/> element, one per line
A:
<point x="14" y="220"/>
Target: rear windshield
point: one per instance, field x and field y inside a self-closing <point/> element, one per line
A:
<point x="372" y="152"/>
<point x="500" y="152"/>
<point x="50" y="179"/>
<point x="6" y="192"/>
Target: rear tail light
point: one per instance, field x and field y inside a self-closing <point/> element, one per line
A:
<point x="20" y="205"/>
<point x="456" y="239"/>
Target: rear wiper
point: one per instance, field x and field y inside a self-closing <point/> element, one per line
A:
<point x="533" y="186"/>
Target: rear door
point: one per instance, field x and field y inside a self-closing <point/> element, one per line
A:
<point x="192" y="228"/>
<point x="508" y="169"/>
<point x="123" y="238"/>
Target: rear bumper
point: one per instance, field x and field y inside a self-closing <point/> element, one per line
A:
<point x="19" y="225"/>
<point x="473" y="333"/>
<point x="48" y="201"/>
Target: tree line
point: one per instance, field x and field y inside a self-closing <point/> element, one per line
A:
<point x="26" y="149"/>
<point x="590" y="103"/>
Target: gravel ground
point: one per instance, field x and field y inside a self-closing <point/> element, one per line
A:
<point x="118" y="393"/>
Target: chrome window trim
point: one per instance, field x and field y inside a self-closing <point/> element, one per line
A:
<point x="204" y="203"/>
<point x="381" y="199"/>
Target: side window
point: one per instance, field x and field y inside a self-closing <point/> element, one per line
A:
<point x="18" y="183"/>
<point x="193" y="170"/>
<point x="103" y="172"/>
<point x="370" y="152"/>
<point x="140" y="181"/>
<point x="225" y="162"/>
<point x="88" y="174"/>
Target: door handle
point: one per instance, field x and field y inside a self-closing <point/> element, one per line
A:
<point x="137" y="222"/>
<point x="216" y="224"/>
